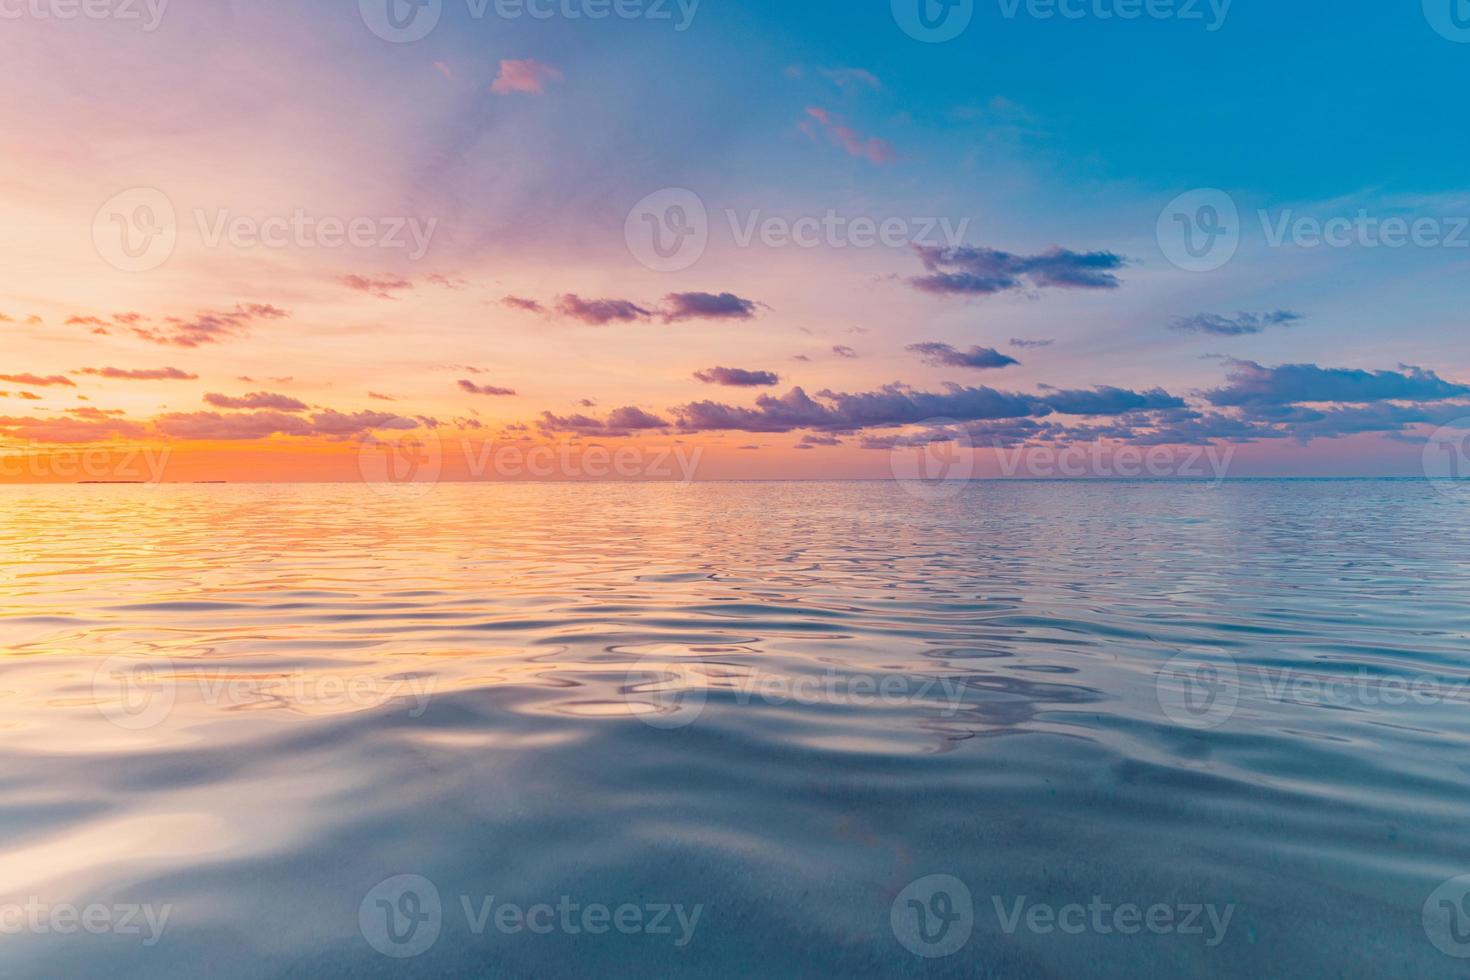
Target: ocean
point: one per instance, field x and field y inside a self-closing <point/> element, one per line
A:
<point x="1029" y="729"/>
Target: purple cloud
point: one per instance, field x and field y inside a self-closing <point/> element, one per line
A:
<point x="737" y="377"/>
<point x="943" y="355"/>
<point x="974" y="271"/>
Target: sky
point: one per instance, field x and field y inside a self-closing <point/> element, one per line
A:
<point x="256" y="241"/>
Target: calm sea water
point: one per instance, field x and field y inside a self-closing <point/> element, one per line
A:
<point x="1028" y="730"/>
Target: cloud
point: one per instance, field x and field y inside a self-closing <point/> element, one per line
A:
<point x="852" y="78"/>
<point x="69" y="430"/>
<point x="707" y="306"/>
<point x="978" y="271"/>
<point x="619" y="422"/>
<point x="737" y="377"/>
<point x="382" y="287"/>
<point x="1021" y="344"/>
<point x="1251" y="384"/>
<point x="144" y="374"/>
<point x="526" y="75"/>
<point x="878" y="151"/>
<point x="943" y="355"/>
<point x="1107" y="400"/>
<point x="842" y="350"/>
<point x="37" y="381"/>
<point x="475" y="389"/>
<point x="258" y="399"/>
<point x="1236" y="326"/>
<point x="599" y="312"/>
<point x="522" y="303"/>
<point x="210" y="326"/>
<point x="448" y="282"/>
<point x="260" y="425"/>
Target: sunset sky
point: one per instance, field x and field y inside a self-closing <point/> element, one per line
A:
<point x="257" y="234"/>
